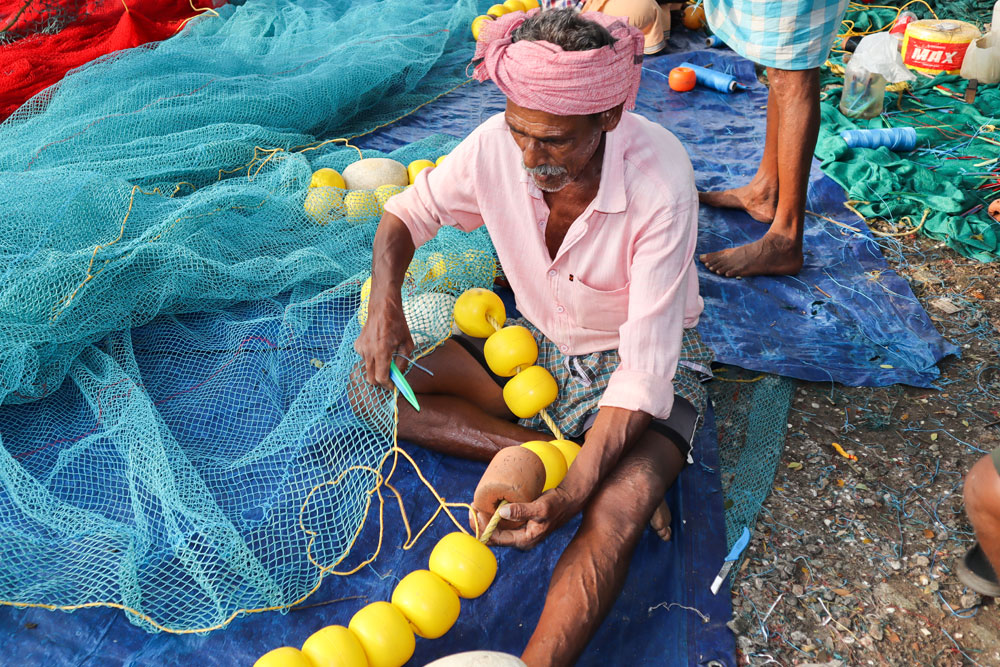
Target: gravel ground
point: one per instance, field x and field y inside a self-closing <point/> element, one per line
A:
<point x="851" y="562"/>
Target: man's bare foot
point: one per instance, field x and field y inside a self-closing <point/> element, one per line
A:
<point x="772" y="255"/>
<point x="660" y="521"/>
<point x="760" y="202"/>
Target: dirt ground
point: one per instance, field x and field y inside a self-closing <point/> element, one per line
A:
<point x="851" y="562"/>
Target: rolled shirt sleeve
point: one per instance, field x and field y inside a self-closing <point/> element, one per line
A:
<point x="662" y="284"/>
<point x="442" y="196"/>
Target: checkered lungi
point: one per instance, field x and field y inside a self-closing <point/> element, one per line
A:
<point x="786" y="34"/>
<point x="583" y="378"/>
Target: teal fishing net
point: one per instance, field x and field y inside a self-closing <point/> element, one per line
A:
<point x="751" y="415"/>
<point x="180" y="437"/>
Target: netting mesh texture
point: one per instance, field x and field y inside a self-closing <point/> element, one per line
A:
<point x="751" y="415"/>
<point x="179" y="433"/>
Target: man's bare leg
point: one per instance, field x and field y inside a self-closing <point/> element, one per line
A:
<point x="759" y="197"/>
<point x="779" y="252"/>
<point x="591" y="571"/>
<point x="462" y="411"/>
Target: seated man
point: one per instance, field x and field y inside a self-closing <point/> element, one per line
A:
<point x="593" y="213"/>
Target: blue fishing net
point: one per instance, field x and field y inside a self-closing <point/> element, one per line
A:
<point x="180" y="435"/>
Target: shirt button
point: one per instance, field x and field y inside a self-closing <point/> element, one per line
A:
<point x="541" y="223"/>
<point x="560" y="309"/>
<point x="552" y="272"/>
<point x="564" y="348"/>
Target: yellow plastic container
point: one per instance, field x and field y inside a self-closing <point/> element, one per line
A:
<point x="932" y="46"/>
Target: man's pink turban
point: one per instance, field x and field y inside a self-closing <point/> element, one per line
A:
<point x="540" y="75"/>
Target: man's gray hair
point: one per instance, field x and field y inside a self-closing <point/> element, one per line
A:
<point x="564" y="28"/>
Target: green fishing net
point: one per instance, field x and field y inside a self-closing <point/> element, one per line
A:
<point x="957" y="146"/>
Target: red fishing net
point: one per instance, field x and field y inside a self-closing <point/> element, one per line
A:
<point x="40" y="40"/>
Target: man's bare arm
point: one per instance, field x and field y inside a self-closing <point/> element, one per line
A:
<point x="385" y="332"/>
<point x="614" y="432"/>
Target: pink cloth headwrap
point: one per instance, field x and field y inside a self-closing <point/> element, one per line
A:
<point x="541" y="76"/>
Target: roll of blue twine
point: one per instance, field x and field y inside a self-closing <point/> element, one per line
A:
<point x="893" y="138"/>
<point x="724" y="83"/>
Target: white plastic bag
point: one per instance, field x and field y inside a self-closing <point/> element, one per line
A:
<point x="982" y="59"/>
<point x="879" y="54"/>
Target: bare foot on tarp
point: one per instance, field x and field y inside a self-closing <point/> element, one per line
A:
<point x="994" y="210"/>
<point x="660" y="521"/>
<point x="760" y="202"/>
<point x="772" y="255"/>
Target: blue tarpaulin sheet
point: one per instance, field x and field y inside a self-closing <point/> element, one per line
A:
<point x="637" y="632"/>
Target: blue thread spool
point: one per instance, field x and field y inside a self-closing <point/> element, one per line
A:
<point x="713" y="41"/>
<point x="893" y="138"/>
<point x="723" y="83"/>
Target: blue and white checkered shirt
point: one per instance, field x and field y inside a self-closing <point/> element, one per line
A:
<point x="563" y="4"/>
<point x="790" y="34"/>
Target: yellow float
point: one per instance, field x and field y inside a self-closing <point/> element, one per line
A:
<point x="327" y="177"/>
<point x="428" y="602"/>
<point x="476" y="310"/>
<point x="335" y="646"/>
<point x="465" y="563"/>
<point x="497" y="11"/>
<point x="514" y="5"/>
<point x="384" y="192"/>
<point x="552" y="459"/>
<point x="530" y="4"/>
<point x="286" y="656"/>
<point x="384" y="633"/>
<point x="323" y="203"/>
<point x="510" y="349"/>
<point x="568" y="448"/>
<point x="361" y="203"/>
<point x="530" y="391"/>
<point x="416" y="167"/>
<point x="477" y="25"/>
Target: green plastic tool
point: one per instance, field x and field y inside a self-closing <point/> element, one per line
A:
<point x="404" y="387"/>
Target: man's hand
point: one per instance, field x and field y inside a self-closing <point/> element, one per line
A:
<point x="543" y="516"/>
<point x="384" y="335"/>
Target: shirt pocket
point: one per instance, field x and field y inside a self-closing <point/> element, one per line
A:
<point x="602" y="310"/>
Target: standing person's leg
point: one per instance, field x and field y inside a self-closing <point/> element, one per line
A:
<point x="779" y="252"/>
<point x="592" y="569"/>
<point x="759" y="197"/>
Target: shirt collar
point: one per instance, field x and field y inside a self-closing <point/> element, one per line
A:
<point x="610" y="196"/>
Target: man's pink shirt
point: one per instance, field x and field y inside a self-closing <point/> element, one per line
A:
<point x="624" y="277"/>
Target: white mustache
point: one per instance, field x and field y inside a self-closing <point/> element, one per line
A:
<point x="545" y="170"/>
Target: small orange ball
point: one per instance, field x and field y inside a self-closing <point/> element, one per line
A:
<point x="682" y="79"/>
<point x="694" y="17"/>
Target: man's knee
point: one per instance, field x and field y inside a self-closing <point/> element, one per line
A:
<point x="982" y="489"/>
<point x="623" y="506"/>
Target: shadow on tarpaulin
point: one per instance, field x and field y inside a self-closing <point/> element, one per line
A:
<point x="666" y="614"/>
<point x="847" y="317"/>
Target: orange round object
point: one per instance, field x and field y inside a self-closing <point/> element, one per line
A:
<point x="682" y="79"/>
<point x="694" y="17"/>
